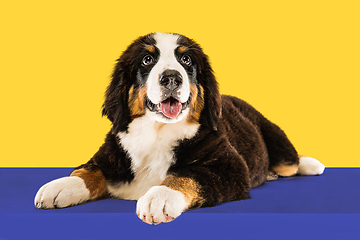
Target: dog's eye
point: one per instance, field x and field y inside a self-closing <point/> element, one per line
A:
<point x="186" y="60"/>
<point x="147" y="60"/>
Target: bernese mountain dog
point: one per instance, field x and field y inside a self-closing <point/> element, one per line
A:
<point x="176" y="143"/>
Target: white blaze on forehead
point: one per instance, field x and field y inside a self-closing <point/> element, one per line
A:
<point x="167" y="44"/>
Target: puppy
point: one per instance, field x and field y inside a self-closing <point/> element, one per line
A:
<point x="176" y="143"/>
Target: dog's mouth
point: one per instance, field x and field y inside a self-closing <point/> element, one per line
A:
<point x="170" y="107"/>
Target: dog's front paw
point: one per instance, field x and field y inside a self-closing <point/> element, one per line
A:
<point x="160" y="204"/>
<point x="62" y="192"/>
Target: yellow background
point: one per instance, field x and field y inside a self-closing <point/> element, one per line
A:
<point x="296" y="61"/>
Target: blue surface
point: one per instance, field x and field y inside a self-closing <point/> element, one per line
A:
<point x="317" y="207"/>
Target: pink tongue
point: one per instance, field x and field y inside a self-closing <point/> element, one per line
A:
<point x="170" y="107"/>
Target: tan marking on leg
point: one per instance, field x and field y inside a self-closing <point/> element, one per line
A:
<point x="94" y="181"/>
<point x="286" y="170"/>
<point x="196" y="103"/>
<point x="187" y="186"/>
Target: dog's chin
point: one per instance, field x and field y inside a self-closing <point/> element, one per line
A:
<point x="169" y="110"/>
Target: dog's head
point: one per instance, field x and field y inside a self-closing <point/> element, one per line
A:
<point x="165" y="76"/>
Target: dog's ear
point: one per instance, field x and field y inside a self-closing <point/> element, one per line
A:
<point x="211" y="112"/>
<point x="115" y="106"/>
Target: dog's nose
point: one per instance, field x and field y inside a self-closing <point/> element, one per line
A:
<point x="171" y="79"/>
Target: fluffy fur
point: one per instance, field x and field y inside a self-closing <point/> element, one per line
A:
<point x="175" y="142"/>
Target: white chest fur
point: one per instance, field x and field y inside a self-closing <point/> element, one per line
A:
<point x="150" y="146"/>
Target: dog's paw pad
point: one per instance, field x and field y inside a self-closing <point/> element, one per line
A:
<point x="62" y="192"/>
<point x="160" y="204"/>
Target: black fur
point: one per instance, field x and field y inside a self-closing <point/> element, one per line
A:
<point x="233" y="150"/>
<point x="231" y="160"/>
<point x="205" y="77"/>
<point x="124" y="76"/>
<point x="112" y="160"/>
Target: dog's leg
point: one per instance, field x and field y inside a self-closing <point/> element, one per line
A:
<point x="87" y="182"/>
<point x="306" y="166"/>
<point x="285" y="170"/>
<point x="166" y="202"/>
<point x="283" y="158"/>
<point x="81" y="186"/>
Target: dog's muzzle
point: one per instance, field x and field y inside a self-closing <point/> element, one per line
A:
<point x="170" y="105"/>
<point x="171" y="80"/>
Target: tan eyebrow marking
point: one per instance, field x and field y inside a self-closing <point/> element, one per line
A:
<point x="150" y="48"/>
<point x="182" y="49"/>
